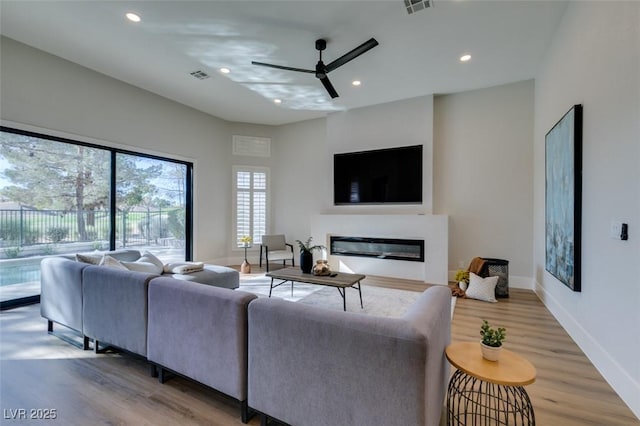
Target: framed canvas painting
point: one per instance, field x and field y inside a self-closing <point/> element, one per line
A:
<point x="563" y="198"/>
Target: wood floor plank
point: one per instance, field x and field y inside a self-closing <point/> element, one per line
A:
<point x="39" y="370"/>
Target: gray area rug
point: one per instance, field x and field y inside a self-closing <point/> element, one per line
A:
<point x="377" y="301"/>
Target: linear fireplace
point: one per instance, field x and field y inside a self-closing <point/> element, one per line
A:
<point x="382" y="248"/>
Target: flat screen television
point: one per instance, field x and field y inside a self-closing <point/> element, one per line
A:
<point x="381" y="176"/>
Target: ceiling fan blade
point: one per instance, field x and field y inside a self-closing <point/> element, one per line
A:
<point x="282" y="67"/>
<point x="367" y="45"/>
<point x="327" y="85"/>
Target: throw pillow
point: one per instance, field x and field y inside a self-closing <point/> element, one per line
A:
<point x="482" y="288"/>
<point x="111" y="262"/>
<point x="151" y="258"/>
<point x="91" y="259"/>
<point x="139" y="266"/>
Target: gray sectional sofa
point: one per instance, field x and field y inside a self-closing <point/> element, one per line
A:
<point x="300" y="364"/>
<point x="200" y="332"/>
<point x="313" y="366"/>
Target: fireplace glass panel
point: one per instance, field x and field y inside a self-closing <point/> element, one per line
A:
<point x="382" y="248"/>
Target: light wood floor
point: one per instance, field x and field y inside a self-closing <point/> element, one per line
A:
<point x="40" y="371"/>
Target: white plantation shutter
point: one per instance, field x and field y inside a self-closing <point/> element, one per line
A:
<point x="250" y="207"/>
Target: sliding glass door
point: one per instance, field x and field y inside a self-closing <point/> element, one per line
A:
<point x="151" y="206"/>
<point x="59" y="197"/>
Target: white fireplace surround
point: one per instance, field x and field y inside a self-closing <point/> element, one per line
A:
<point x="433" y="229"/>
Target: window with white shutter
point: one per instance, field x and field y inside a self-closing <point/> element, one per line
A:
<point x="250" y="202"/>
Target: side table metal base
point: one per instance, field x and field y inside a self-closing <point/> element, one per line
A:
<point x="471" y="401"/>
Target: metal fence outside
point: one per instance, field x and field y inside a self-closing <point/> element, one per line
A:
<point x="28" y="227"/>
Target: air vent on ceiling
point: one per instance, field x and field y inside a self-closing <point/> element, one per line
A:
<point x="416" y="5"/>
<point x="200" y="75"/>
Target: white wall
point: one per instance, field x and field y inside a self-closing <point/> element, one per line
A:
<point x="303" y="182"/>
<point x="300" y="177"/>
<point x="483" y="173"/>
<point x="45" y="93"/>
<point x="393" y="124"/>
<point x="594" y="60"/>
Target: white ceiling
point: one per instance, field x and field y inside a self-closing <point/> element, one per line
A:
<point x="418" y="53"/>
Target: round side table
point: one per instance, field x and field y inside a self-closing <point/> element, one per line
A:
<point x="485" y="392"/>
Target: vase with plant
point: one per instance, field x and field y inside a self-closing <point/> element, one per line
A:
<point x="491" y="342"/>
<point x="462" y="278"/>
<point x="306" y="254"/>
<point x="245" y="242"/>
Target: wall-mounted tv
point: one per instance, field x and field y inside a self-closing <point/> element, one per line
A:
<point x="392" y="175"/>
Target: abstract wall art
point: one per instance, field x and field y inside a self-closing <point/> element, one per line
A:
<point x="563" y="192"/>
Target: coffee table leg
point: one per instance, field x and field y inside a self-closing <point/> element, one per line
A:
<point x="360" y="292"/>
<point x="343" y="294"/>
<point x="271" y="287"/>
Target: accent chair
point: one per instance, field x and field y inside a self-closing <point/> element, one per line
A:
<point x="275" y="248"/>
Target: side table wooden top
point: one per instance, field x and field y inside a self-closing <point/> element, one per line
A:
<point x="511" y="370"/>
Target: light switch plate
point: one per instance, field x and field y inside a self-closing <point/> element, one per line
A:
<point x="615" y="229"/>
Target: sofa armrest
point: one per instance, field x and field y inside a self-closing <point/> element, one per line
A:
<point x="115" y="307"/>
<point x="61" y="291"/>
<point x="309" y="365"/>
<point x="430" y="315"/>
<point x="200" y="331"/>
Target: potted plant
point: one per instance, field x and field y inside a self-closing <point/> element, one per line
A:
<point x="462" y="278"/>
<point x="306" y="254"/>
<point x="491" y="342"/>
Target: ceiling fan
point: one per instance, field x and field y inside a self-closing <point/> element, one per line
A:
<point x="322" y="70"/>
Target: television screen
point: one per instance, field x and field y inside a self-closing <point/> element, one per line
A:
<point x="391" y="175"/>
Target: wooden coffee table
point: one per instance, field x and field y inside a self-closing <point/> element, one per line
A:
<point x="485" y="392"/>
<point x="341" y="281"/>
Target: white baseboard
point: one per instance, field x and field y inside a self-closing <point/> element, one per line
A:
<point x="622" y="383"/>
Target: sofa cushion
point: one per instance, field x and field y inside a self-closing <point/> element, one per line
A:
<point x="219" y="276"/>
<point x="139" y="266"/>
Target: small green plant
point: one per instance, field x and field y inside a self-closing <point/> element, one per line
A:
<point x="49" y="250"/>
<point x="307" y="247"/>
<point x="12" y="252"/>
<point x="491" y="336"/>
<point x="462" y="275"/>
<point x="57" y="233"/>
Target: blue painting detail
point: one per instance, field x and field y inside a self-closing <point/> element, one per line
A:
<point x="561" y="198"/>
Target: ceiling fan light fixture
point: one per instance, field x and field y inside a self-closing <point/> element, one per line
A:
<point x="321" y="70"/>
<point x="133" y="17"/>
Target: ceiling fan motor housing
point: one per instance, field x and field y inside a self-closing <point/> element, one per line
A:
<point x="321" y="44"/>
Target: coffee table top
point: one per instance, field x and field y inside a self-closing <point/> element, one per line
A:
<point x="342" y="279"/>
<point x="511" y="370"/>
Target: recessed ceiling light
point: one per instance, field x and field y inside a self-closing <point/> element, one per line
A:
<point x="277" y="101"/>
<point x="465" y="58"/>
<point x="225" y="70"/>
<point x="133" y="17"/>
<point x="356" y="82"/>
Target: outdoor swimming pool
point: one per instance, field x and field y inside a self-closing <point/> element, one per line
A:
<point x="19" y="273"/>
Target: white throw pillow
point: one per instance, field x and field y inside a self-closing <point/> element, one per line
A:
<point x="482" y="288"/>
<point x="91" y="259"/>
<point x="151" y="258"/>
<point x="111" y="262"/>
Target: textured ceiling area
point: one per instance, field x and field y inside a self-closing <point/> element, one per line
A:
<point x="418" y="54"/>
